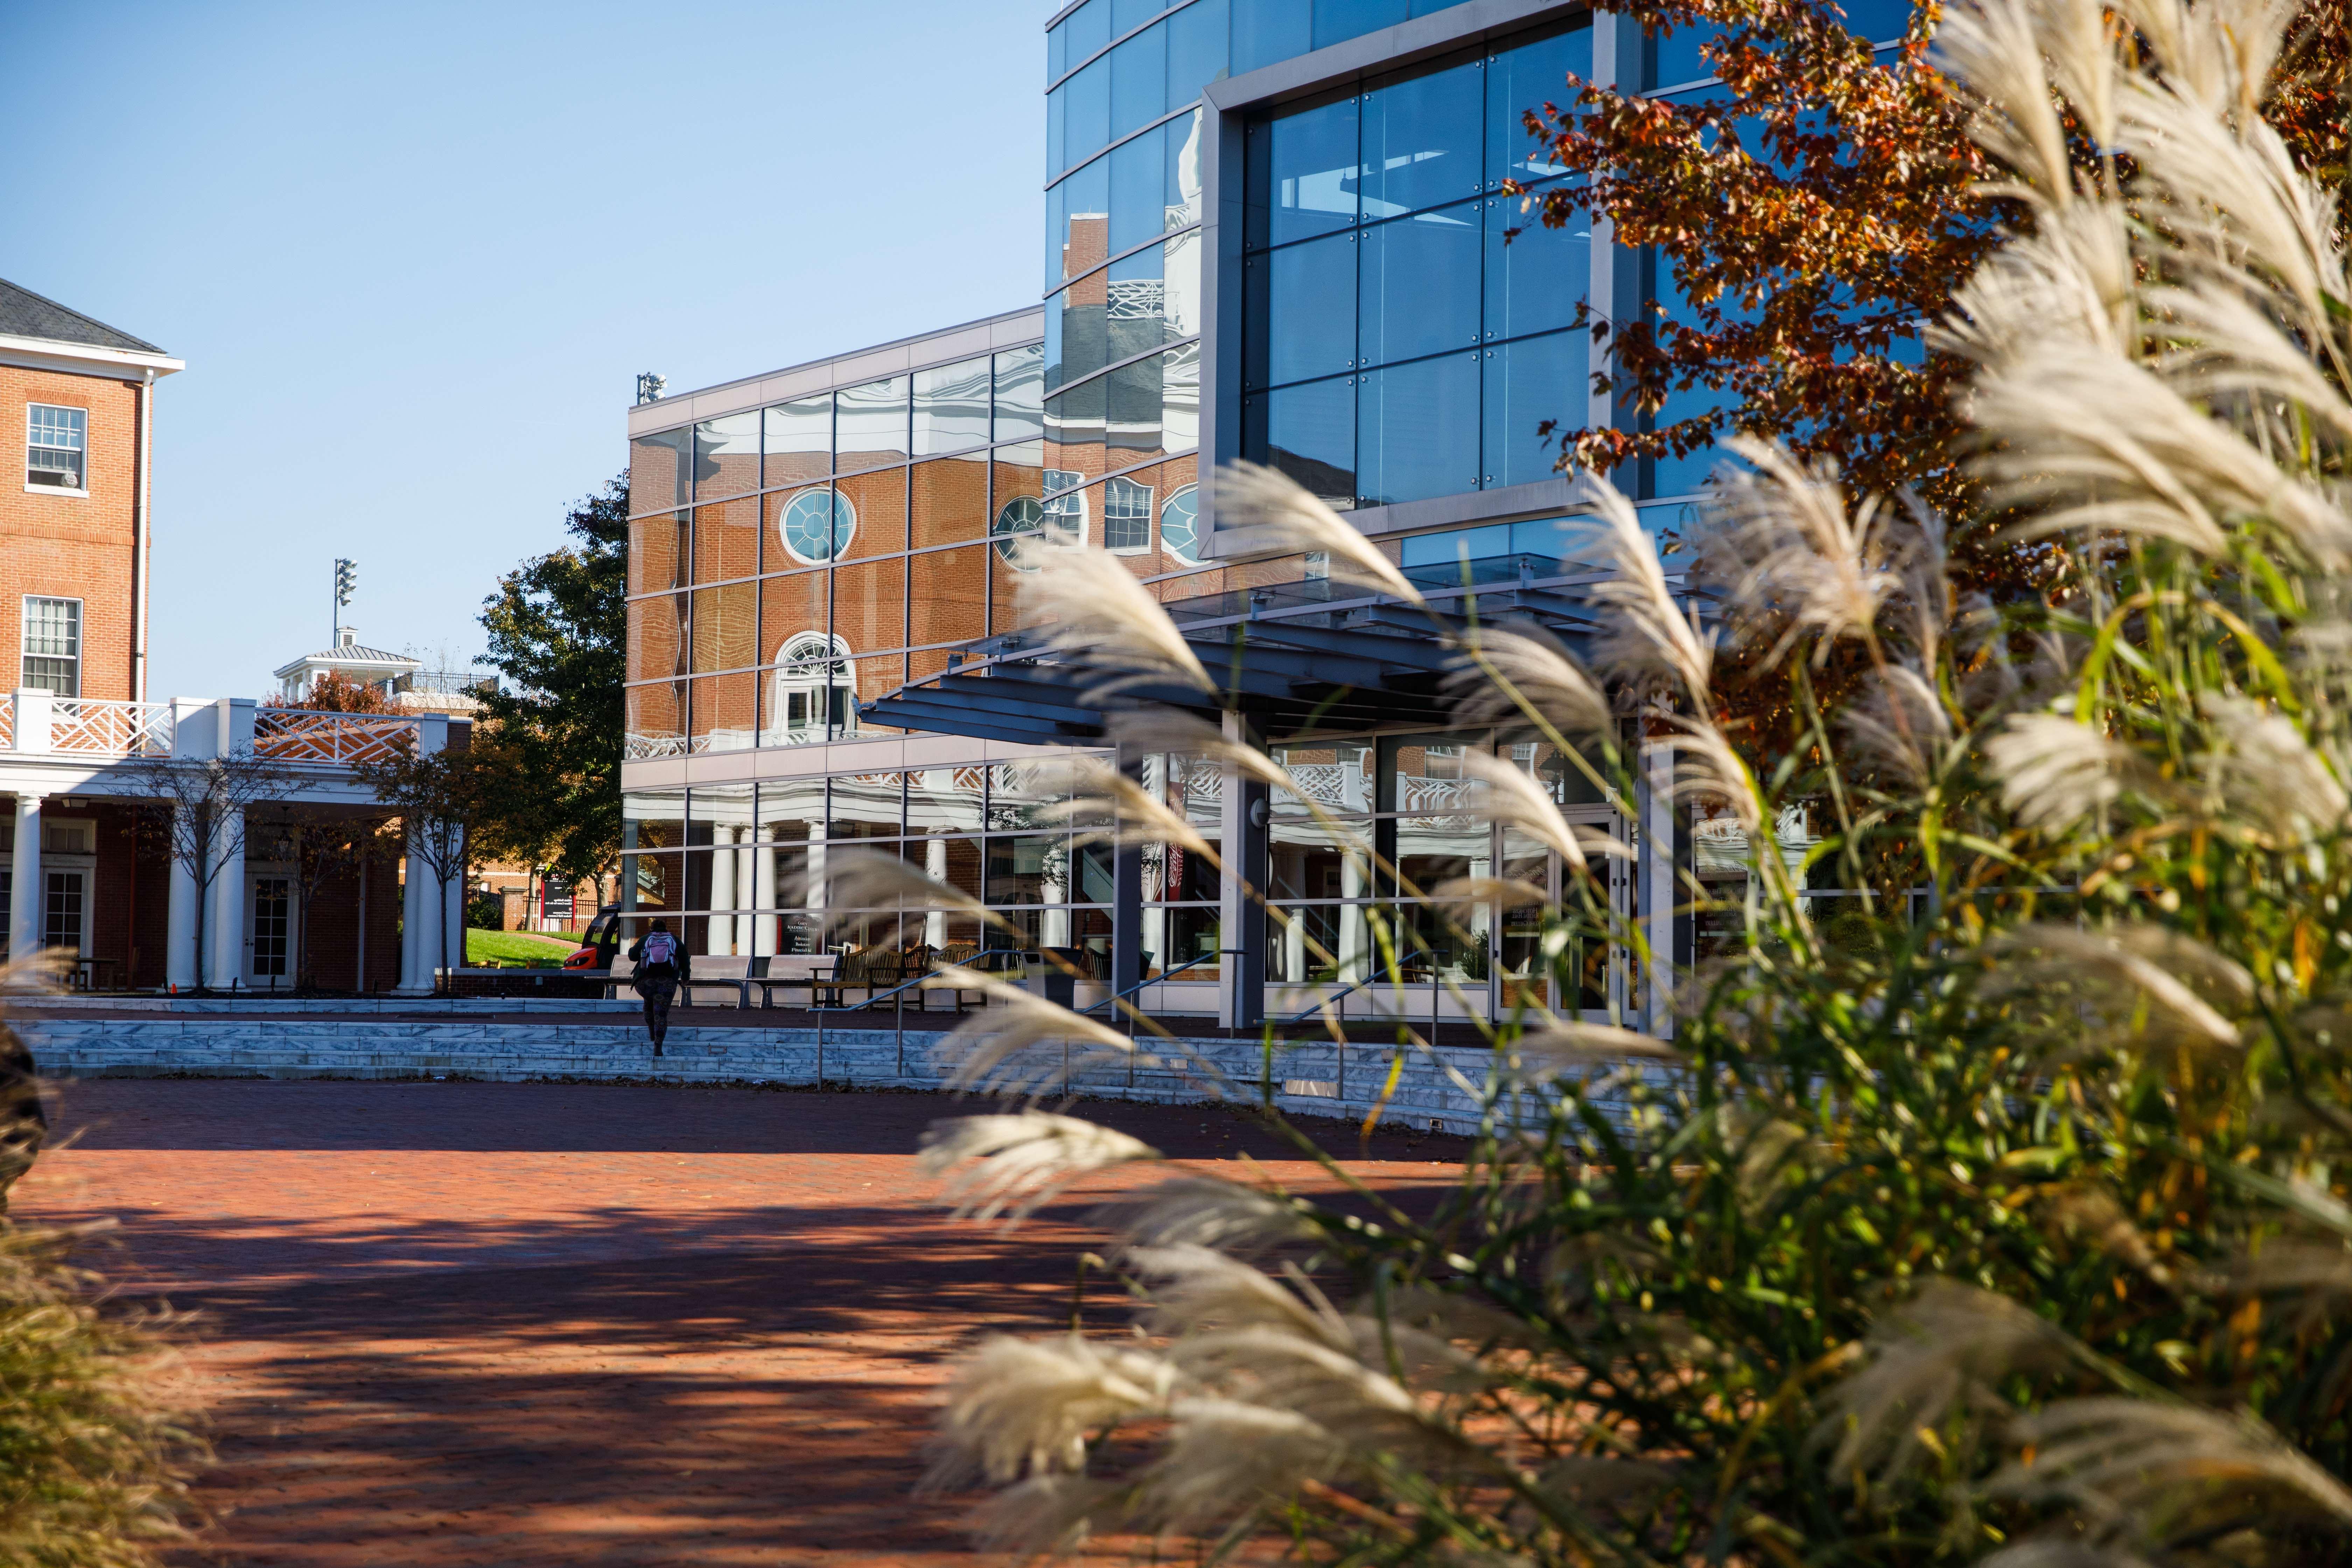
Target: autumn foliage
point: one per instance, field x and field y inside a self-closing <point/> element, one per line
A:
<point x="1805" y="218"/>
<point x="334" y="692"/>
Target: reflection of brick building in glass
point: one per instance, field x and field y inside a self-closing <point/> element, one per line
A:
<point x="1291" y="231"/>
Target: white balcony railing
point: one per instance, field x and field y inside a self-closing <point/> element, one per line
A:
<point x="298" y="735"/>
<point x="86" y="724"/>
<point x="35" y="724"/>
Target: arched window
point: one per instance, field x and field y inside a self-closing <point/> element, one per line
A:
<point x="812" y="696"/>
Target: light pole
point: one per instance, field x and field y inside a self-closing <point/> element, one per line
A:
<point x="347" y="577"/>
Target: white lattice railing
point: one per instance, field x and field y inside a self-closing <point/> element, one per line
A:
<point x="7" y="720"/>
<point x="298" y="735"/>
<point x="89" y="725"/>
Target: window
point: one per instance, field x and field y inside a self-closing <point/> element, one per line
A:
<point x="1127" y="516"/>
<point x="1022" y="516"/>
<point x="817" y="525"/>
<point x="52" y="647"/>
<point x="1179" y="525"/>
<point x="1408" y="327"/>
<point x="55" y="443"/>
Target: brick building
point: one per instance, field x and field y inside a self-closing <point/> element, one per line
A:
<point x="87" y="863"/>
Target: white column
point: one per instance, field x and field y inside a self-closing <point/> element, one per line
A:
<point x="1053" y="924"/>
<point x="764" y="900"/>
<point x="719" y="931"/>
<point x="1355" y="931"/>
<point x="1656" y="844"/>
<point x="180" y="919"/>
<point x="453" y="918"/>
<point x="416" y="947"/>
<point x="935" y="866"/>
<point x="815" y="897"/>
<point x="24" y="901"/>
<point x="224" y="931"/>
<point x="430" y="905"/>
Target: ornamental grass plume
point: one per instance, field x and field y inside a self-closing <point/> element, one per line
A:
<point x="95" y="1452"/>
<point x="1982" y="1192"/>
<point x="1087" y="604"/>
<point x="95" y="1447"/>
<point x="1251" y="496"/>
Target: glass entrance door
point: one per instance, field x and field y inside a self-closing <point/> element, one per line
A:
<point x="63" y="905"/>
<point x="272" y="947"/>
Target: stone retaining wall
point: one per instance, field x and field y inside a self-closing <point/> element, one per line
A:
<point x="1309" y="1077"/>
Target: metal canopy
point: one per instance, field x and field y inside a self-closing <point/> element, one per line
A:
<point x="1301" y="657"/>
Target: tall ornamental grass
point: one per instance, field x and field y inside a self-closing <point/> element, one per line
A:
<point x="2001" y="1217"/>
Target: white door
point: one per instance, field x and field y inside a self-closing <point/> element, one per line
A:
<point x="65" y="911"/>
<point x="269" y="941"/>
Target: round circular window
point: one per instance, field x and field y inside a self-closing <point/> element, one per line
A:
<point x="1179" y="525"/>
<point x="817" y="525"/>
<point x="1016" y="520"/>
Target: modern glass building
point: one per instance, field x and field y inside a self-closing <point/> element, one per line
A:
<point x="1276" y="229"/>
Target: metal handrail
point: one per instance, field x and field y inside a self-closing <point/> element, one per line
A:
<point x="1156" y="979"/>
<point x="1323" y="1002"/>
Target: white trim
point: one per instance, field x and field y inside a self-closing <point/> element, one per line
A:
<point x="925" y="351"/>
<point x="141" y="537"/>
<point x="34" y="490"/>
<point x="47" y="353"/>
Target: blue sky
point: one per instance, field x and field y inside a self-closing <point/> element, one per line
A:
<point x="414" y="256"/>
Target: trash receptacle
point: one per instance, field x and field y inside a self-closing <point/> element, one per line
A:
<point x="1053" y="974"/>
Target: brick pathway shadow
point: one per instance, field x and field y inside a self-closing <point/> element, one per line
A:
<point x="487" y="1324"/>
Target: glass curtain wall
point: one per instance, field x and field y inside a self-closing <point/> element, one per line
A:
<point x="1407" y="323"/>
<point x="1361" y="858"/>
<point x="789" y="565"/>
<point x="1122" y="279"/>
<point x="738" y="868"/>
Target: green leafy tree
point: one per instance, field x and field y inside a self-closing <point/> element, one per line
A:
<point x="555" y="627"/>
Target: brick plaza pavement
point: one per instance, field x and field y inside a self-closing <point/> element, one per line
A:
<point x="471" y="1323"/>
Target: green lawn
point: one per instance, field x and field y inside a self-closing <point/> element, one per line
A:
<point x="516" y="949"/>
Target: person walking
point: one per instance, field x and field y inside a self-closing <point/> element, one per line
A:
<point x="661" y="968"/>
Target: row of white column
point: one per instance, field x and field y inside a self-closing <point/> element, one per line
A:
<point x="739" y="867"/>
<point x="743" y="877"/>
<point x="423" y="915"/>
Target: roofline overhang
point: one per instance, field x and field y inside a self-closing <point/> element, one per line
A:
<point x="83" y="359"/>
<point x="396" y="666"/>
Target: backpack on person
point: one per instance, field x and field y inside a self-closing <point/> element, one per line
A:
<point x="660" y="948"/>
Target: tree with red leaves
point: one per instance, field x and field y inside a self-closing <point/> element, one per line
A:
<point x="1805" y="218"/>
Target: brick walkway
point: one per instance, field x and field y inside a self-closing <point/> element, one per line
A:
<point x="457" y="1323"/>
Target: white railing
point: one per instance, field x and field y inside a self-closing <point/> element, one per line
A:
<point x="90" y="725"/>
<point x="35" y="724"/>
<point x="299" y="736"/>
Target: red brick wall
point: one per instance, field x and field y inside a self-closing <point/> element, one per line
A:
<point x="71" y="547"/>
<point x="335" y="927"/>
